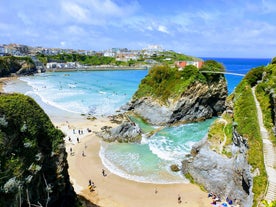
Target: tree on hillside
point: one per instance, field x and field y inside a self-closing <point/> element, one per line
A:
<point x="212" y="65"/>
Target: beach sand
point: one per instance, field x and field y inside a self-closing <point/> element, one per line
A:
<point x="112" y="190"/>
<point x="4" y="81"/>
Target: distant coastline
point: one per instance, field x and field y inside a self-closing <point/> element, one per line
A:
<point x="97" y="68"/>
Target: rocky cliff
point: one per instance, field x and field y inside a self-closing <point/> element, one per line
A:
<point x="33" y="165"/>
<point x="16" y="65"/>
<point x="227" y="177"/>
<point x="189" y="96"/>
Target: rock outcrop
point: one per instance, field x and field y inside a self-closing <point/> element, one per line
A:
<point x="10" y="65"/>
<point x="125" y="132"/>
<point x="198" y="102"/>
<point x="218" y="174"/>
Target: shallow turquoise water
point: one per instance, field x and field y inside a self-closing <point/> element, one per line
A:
<point x="150" y="161"/>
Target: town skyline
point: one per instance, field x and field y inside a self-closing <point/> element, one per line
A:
<point x="201" y="28"/>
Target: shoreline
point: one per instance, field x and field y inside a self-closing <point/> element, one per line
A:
<point x="96" y="68"/>
<point x="4" y="81"/>
<point x="112" y="190"/>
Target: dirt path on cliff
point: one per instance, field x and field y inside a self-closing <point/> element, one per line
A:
<point x="269" y="154"/>
<point x="224" y="138"/>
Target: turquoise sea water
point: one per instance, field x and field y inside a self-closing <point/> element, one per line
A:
<point x="101" y="93"/>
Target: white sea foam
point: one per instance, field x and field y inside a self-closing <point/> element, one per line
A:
<point x="165" y="177"/>
<point x="69" y="106"/>
<point x="167" y="149"/>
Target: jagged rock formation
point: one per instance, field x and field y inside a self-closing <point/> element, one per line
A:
<point x="33" y="165"/>
<point x="11" y="65"/>
<point x="125" y="132"/>
<point x="223" y="176"/>
<point x="198" y="102"/>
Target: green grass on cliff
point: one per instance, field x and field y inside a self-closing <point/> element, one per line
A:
<point x="31" y="150"/>
<point x="245" y="114"/>
<point x="265" y="92"/>
<point x="164" y="82"/>
<point x="220" y="129"/>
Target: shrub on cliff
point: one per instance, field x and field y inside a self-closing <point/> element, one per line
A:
<point x="33" y="166"/>
<point x="273" y="60"/>
<point x="164" y="82"/>
<point x="254" y="75"/>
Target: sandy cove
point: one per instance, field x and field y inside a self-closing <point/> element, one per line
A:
<point x="112" y="190"/>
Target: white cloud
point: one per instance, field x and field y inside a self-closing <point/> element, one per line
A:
<point x="74" y="10"/>
<point x="24" y="18"/>
<point x="162" y="28"/>
<point x="149" y="28"/>
<point x="97" y="12"/>
<point x="62" y="43"/>
<point x="75" y="30"/>
<point x="110" y="8"/>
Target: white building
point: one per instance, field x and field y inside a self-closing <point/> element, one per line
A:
<point x="154" y="48"/>
<point x="2" y="50"/>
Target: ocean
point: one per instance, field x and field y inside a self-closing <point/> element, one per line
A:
<point x="102" y="93"/>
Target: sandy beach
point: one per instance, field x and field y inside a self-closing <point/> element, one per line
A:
<point x="4" y="81"/>
<point x="112" y="190"/>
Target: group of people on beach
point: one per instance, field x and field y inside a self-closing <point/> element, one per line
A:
<point x="216" y="200"/>
<point x="74" y="134"/>
<point x="91" y="184"/>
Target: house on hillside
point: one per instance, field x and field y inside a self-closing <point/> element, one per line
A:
<point x="2" y="50"/>
<point x="184" y="63"/>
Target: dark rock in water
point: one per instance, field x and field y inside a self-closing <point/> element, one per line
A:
<point x="175" y="168"/>
<point x="198" y="102"/>
<point x="225" y="177"/>
<point x="126" y="132"/>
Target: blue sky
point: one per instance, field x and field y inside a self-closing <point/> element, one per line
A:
<point x="203" y="28"/>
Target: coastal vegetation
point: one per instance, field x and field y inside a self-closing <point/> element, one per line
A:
<point x="265" y="91"/>
<point x="82" y="59"/>
<point x="220" y="134"/>
<point x="245" y="115"/>
<point x="12" y="64"/>
<point x="166" y="57"/>
<point x="33" y="165"/>
<point x="164" y="82"/>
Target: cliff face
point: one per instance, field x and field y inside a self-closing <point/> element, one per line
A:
<point x="16" y="65"/>
<point x="227" y="177"/>
<point x="33" y="165"/>
<point x="198" y="101"/>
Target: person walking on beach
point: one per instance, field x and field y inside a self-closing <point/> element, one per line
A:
<point x="103" y="172"/>
<point x="78" y="140"/>
<point x="71" y="151"/>
<point x="179" y="199"/>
